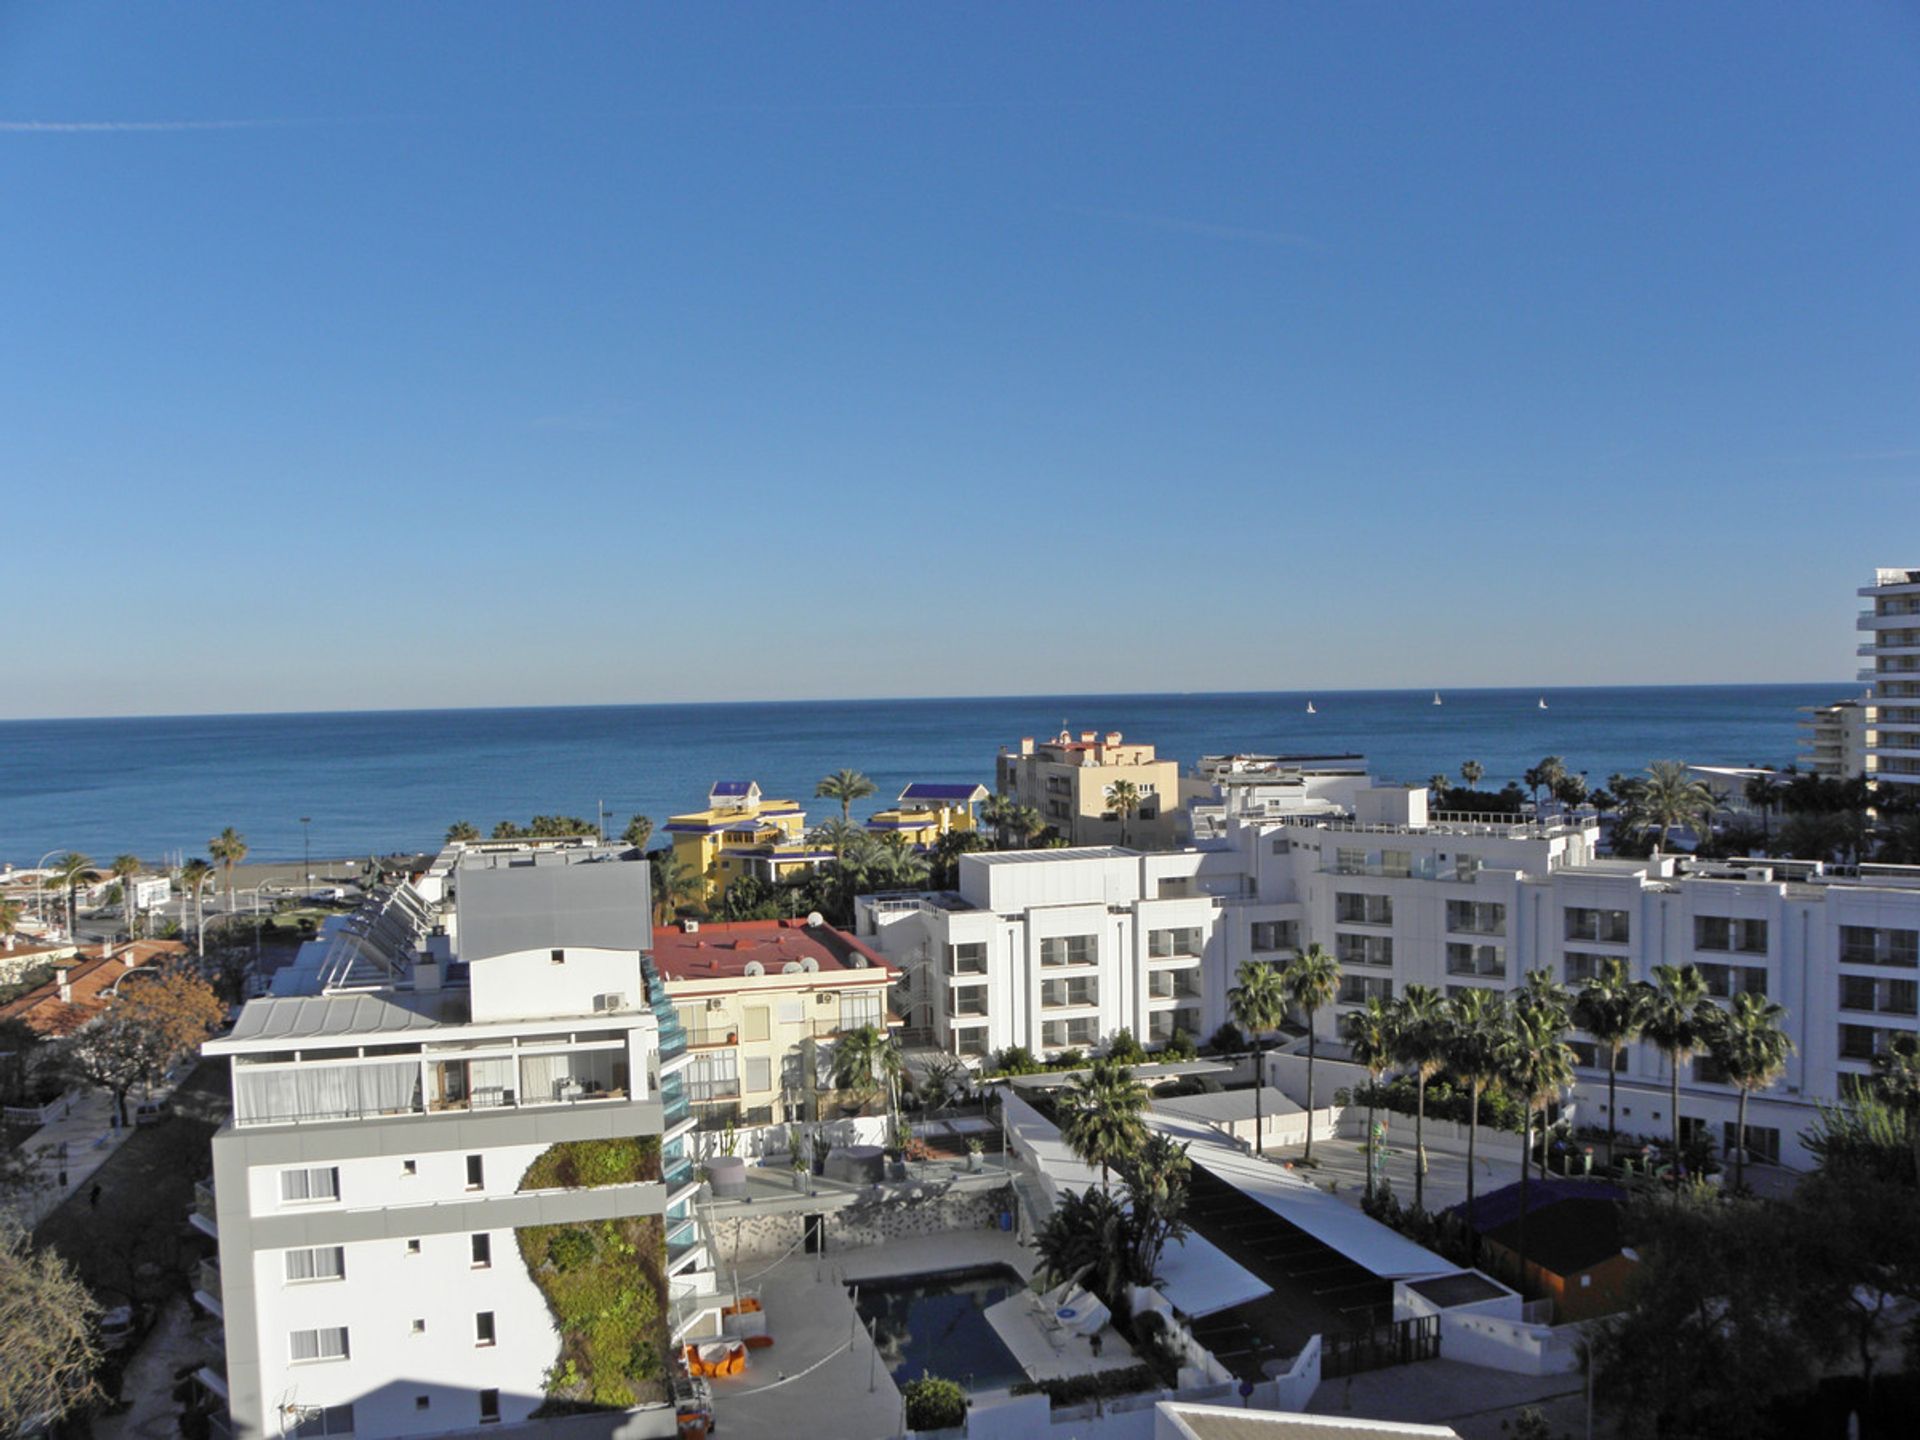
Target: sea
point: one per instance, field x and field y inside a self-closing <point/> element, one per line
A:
<point x="346" y="784"/>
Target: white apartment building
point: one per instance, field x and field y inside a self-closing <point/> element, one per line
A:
<point x="1892" y="625"/>
<point x="1833" y="739"/>
<point x="1056" y="949"/>
<point x="388" y="1102"/>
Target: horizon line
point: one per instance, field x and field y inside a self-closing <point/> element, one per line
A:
<point x="920" y="700"/>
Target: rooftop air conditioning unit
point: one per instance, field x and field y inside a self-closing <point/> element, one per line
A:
<point x="824" y="997"/>
<point x="692" y="926"/>
<point x="716" y="1004"/>
<point x="603" y="1004"/>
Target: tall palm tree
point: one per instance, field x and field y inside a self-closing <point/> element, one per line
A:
<point x="1763" y="793"/>
<point x="1476" y="1027"/>
<point x="674" y="883"/>
<point x="1102" y="1123"/>
<point x="1537" y="1066"/>
<point x="1471" y="771"/>
<point x="865" y="1060"/>
<point x="1312" y="981"/>
<point x="9" y="922"/>
<point x="1545" y="776"/>
<point x="1258" y="1004"/>
<point x="846" y="786"/>
<point x="229" y="847"/>
<point x="1123" y="798"/>
<point x="1751" y="1048"/>
<point x="194" y="876"/>
<point x="462" y="832"/>
<point x="999" y="811"/>
<point x="70" y="871"/>
<point x="1679" y="1019"/>
<point x="1368" y="1033"/>
<point x="123" y="869"/>
<point x="1548" y="998"/>
<point x="837" y="835"/>
<point x="639" y="830"/>
<point x="1419" y="1036"/>
<point x="1028" y="823"/>
<point x="1612" y="1008"/>
<point x="1670" y="797"/>
<point x="1897" y="1081"/>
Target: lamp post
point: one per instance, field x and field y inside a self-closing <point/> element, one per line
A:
<point x="40" y="880"/>
<point x="306" y="854"/>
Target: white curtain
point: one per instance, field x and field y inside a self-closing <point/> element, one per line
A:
<point x="540" y="1077"/>
<point x="320" y="1092"/>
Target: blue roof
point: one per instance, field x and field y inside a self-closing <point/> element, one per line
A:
<point x="951" y="794"/>
<point x="731" y="789"/>
<point x="1502" y="1206"/>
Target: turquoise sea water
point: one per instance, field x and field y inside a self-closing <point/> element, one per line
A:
<point x="389" y="780"/>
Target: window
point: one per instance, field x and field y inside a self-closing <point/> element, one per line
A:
<point x="1708" y="1071"/>
<point x="1476" y="917"/>
<point x="1584" y="965"/>
<point x="489" y="1407"/>
<point x="413" y="1247"/>
<point x="759" y="1074"/>
<point x="476" y="1172"/>
<point x="1060" y="994"/>
<point x="1476" y="959"/>
<point x="756" y="1023"/>
<point x="1763" y="1141"/>
<point x="863" y="1008"/>
<point x="1165" y="944"/>
<point x="1718" y="932"/>
<point x="304" y="1185"/>
<point x="1863" y="1042"/>
<point x="1363" y="949"/>
<point x="1864" y="945"/>
<point x="409" y="1167"/>
<point x="1891" y="997"/>
<point x="1588" y="1055"/>
<point x="557" y="957"/>
<point x="483" y="1328"/>
<point x="1069" y="950"/>
<point x="328" y="1262"/>
<point x="1358" y="989"/>
<point x="1276" y="935"/>
<point x="325" y="1344"/>
<point x="317" y="1421"/>
<point x="421" y="1402"/>
<point x="1350" y="909"/>
<point x="482" y="1245"/>
<point x="1607" y="926"/>
<point x="714" y="1075"/>
<point x="1726" y="981"/>
<point x="420" y="1327"/>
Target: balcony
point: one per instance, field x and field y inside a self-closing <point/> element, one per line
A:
<point x="710" y="1037"/>
<point x="206" y="1287"/>
<point x="682" y="1240"/>
<point x="203" y="1217"/>
<point x="1069" y="998"/>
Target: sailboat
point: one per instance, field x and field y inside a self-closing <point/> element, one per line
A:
<point x="1436" y="698"/>
<point x="1310" y="709"/>
<point x="1543" y="702"/>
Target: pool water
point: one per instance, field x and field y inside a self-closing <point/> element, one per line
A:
<point x="937" y="1325"/>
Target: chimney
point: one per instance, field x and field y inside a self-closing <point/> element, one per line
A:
<point x="65" y="974"/>
<point x="1026" y="745"/>
<point x="1113" y="738"/>
<point x="1086" y="737"/>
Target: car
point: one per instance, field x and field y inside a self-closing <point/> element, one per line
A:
<point x="330" y="894"/>
<point x="152" y="1112"/>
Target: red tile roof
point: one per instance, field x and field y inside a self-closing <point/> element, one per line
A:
<point x="87" y="978"/>
<point x="719" y="951"/>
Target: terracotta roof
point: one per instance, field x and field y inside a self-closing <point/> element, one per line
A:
<point x="86" y="978"/>
<point x="718" y="951"/>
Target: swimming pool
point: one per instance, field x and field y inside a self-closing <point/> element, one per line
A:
<point x="937" y="1325"/>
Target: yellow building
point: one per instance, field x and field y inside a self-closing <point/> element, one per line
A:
<point x="926" y="811"/>
<point x="1067" y="779"/>
<point x="743" y="833"/>
<point x="762" y="1002"/>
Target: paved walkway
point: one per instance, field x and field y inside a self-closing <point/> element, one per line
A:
<point x="87" y="1131"/>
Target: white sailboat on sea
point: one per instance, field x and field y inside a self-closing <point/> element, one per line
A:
<point x="1310" y="709"/>
<point x="1543" y="702"/>
<point x="1436" y="698"/>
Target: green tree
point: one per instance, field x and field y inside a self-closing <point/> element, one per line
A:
<point x="508" y="830"/>
<point x="1537" y="1067"/>
<point x="462" y="832"/>
<point x="944" y="871"/>
<point x="123" y="869"/>
<point x="1439" y="784"/>
<point x="1088" y="1234"/>
<point x="1470" y="772"/>
<point x="1028" y="823"/>
<point x="1612" y="1007"/>
<point x="1671" y="797"/>
<point x="1897" y="1085"/>
<point x="1763" y="793"/>
<point x="846" y="786"/>
<point x="9" y="922"/>
<point x="1312" y="982"/>
<point x="933" y="1403"/>
<point x="195" y="876"/>
<point x="675" y="883"/>
<point x="1475" y="1030"/>
<point x="154" y="1023"/>
<point x="70" y="871"/>
<point x="1158" y="1181"/>
<point x="998" y="812"/>
<point x="1368" y="1033"/>
<point x="1419" y="1045"/>
<point x="1123" y="800"/>
<point x="229" y="847"/>
<point x="1571" y="791"/>
<point x="1102" y="1109"/>
<point x="1541" y="993"/>
<point x="1258" y="1004"/>
<point x="1544" y="776"/>
<point x="1678" y="1021"/>
<point x="1751" y="1048"/>
<point x="867" y="1063"/>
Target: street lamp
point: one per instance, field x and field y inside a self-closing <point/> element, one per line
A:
<point x="306" y="853"/>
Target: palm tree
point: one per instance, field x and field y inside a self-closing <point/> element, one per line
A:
<point x="1537" y="1066"/>
<point x="846" y="786"/>
<point x="1670" y="797"/>
<point x="674" y="883"/>
<point x="1028" y="823"/>
<point x="1545" y="776"/>
<point x="462" y="832"/>
<point x="1102" y="1123"/>
<point x="1471" y="771"/>
<point x="9" y="922"/>
<point x="865" y="1060"/>
<point x="1679" y="1018"/>
<point x="1751" y="1049"/>
<point x="1476" y="1026"/>
<point x="123" y="869"/>
<point x="1312" y="980"/>
<point x="639" y="830"/>
<point x="1547" y="998"/>
<point x="70" y="871"/>
<point x="1439" y="784"/>
<point x="1611" y="1008"/>
<point x="229" y="848"/>
<point x="1897" y="1082"/>
<point x="194" y="876"/>
<point x="999" y="811"/>
<point x="1368" y="1032"/>
<point x="1419" y="1026"/>
<point x="837" y="835"/>
<point x="1123" y="799"/>
<point x="1763" y="793"/>
<point x="1258" y="1004"/>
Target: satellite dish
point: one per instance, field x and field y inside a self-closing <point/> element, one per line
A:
<point x="815" y="919"/>
<point x="792" y="967"/>
<point x="809" y="964"/>
<point x="753" y="967"/>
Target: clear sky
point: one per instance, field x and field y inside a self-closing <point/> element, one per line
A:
<point x="406" y="354"/>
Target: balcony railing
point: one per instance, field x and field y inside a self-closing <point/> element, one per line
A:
<point x="203" y="1202"/>
<point x="206" y="1278"/>
<point x="682" y="1239"/>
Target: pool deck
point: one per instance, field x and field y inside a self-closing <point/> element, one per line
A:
<point x="811" y="1317"/>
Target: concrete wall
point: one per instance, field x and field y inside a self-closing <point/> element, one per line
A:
<point x="739" y="1242"/>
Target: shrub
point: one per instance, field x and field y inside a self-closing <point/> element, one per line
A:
<point x="1179" y="1046"/>
<point x="583" y="1164"/>
<point x="1016" y="1060"/>
<point x="569" y="1249"/>
<point x="1101" y="1385"/>
<point x="934" y="1404"/>
<point x="1124" y="1048"/>
<point x="1227" y="1040"/>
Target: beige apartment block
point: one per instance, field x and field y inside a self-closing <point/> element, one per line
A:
<point x="1068" y="779"/>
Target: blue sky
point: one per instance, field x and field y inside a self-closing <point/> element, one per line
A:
<point x="393" y="355"/>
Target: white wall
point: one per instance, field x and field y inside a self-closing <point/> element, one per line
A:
<point x="528" y="985"/>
